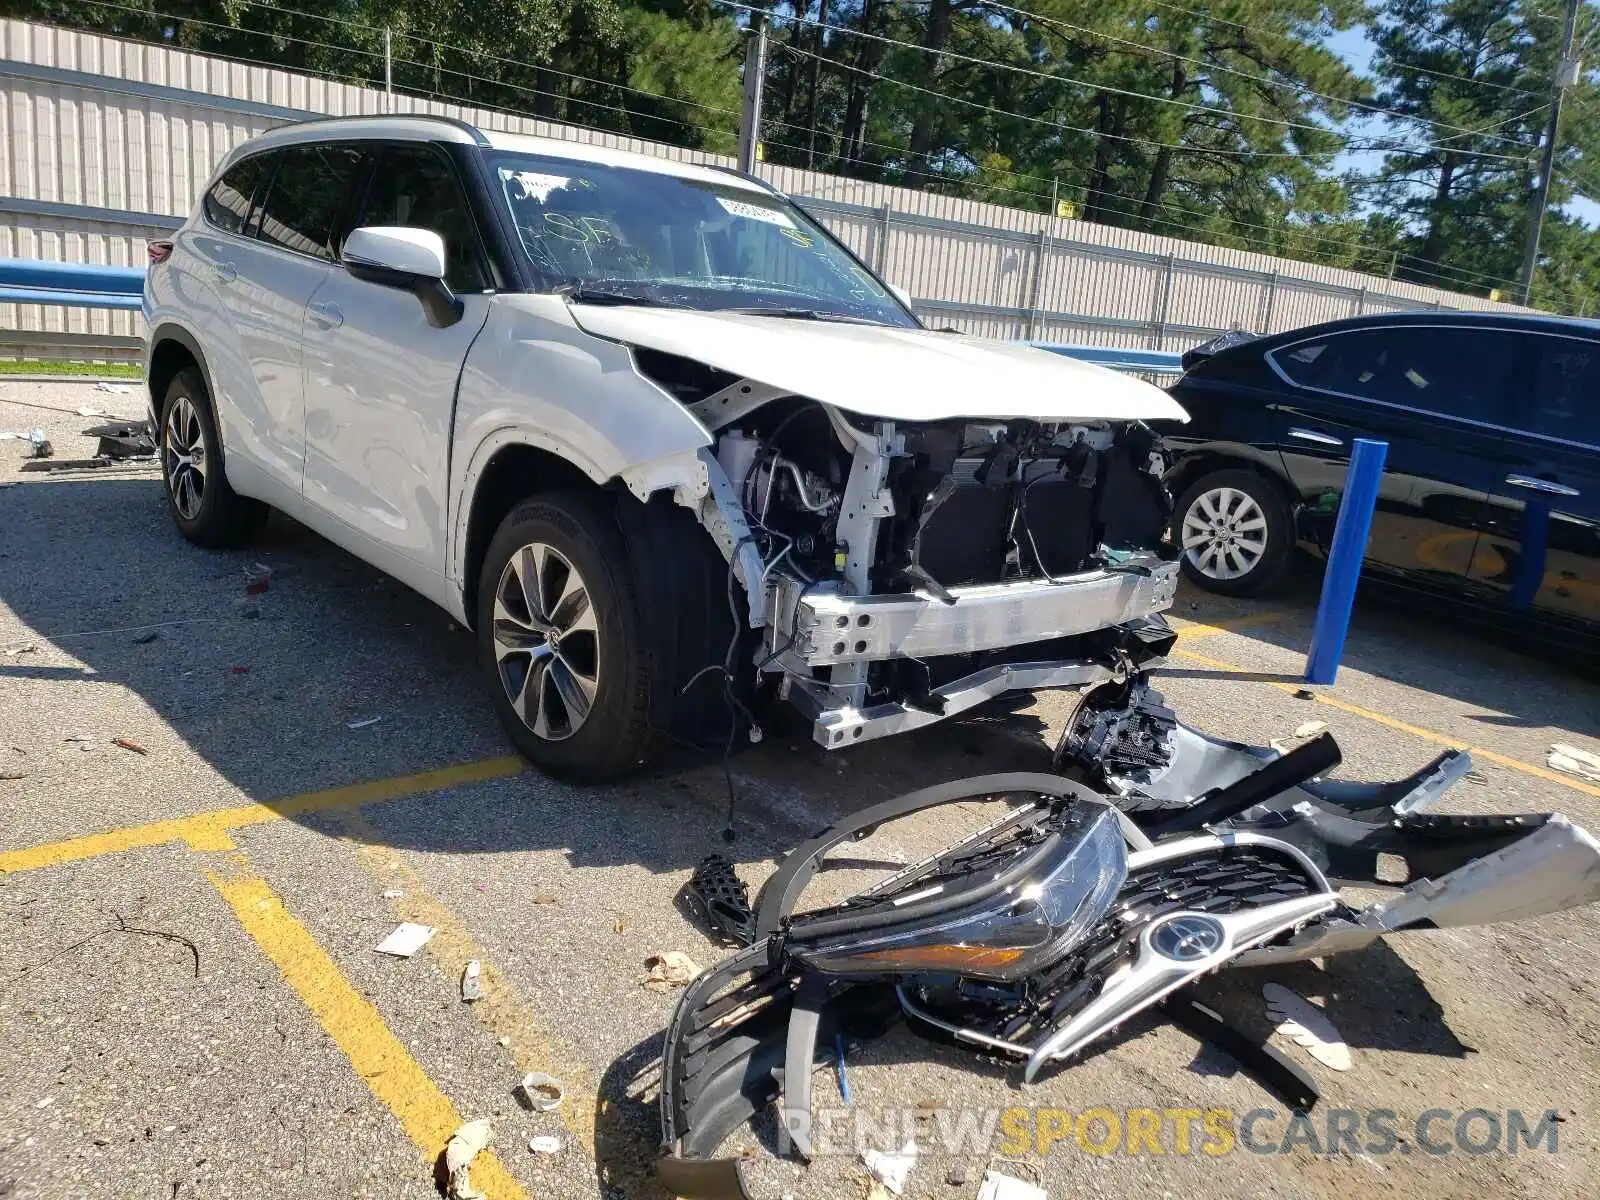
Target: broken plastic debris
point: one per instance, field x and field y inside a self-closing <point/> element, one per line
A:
<point x="406" y="940"/>
<point x="144" y="639"/>
<point x="1004" y="1187"/>
<point x="471" y="985"/>
<point x="1306" y="1025"/>
<point x="891" y="1170"/>
<point x="541" y="1092"/>
<point x="126" y="744"/>
<point x="1574" y="761"/>
<point x="462" y="1148"/>
<point x="118" y="389"/>
<point x="668" y="969"/>
<point x="545" y="1143"/>
<point x="362" y="724"/>
<point x="394" y="893"/>
<point x="25" y="648"/>
<point x="1310" y="729"/>
<point x="257" y="578"/>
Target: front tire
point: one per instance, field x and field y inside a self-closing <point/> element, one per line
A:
<point x="204" y="507"/>
<point x="560" y="640"/>
<point x="1235" y="533"/>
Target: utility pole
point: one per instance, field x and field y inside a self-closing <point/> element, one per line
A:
<point x="1566" y="76"/>
<point x="755" y="83"/>
<point x="388" y="69"/>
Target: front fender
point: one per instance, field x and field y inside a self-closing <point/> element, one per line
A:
<point x="534" y="378"/>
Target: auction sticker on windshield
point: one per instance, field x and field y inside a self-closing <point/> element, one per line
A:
<point x="756" y="212"/>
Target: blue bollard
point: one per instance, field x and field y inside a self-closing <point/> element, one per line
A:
<point x="1344" y="560"/>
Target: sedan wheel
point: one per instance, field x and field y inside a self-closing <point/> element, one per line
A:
<point x="1224" y="534"/>
<point x="546" y="642"/>
<point x="184" y="458"/>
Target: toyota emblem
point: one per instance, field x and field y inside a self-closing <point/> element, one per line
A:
<point x="1188" y="937"/>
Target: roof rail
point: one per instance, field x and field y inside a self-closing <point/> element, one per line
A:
<point x="746" y="175"/>
<point x="465" y="126"/>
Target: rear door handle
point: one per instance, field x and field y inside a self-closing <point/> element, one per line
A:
<point x="1311" y="435"/>
<point x="224" y="272"/>
<point x="326" y="315"/>
<point x="1547" y="486"/>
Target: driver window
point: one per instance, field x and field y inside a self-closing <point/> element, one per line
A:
<point x="417" y="186"/>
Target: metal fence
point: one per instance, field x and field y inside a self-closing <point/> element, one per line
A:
<point x="110" y="142"/>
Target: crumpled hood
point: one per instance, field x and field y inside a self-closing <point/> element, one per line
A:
<point x="893" y="374"/>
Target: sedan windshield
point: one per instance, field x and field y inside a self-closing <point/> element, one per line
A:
<point x="614" y="235"/>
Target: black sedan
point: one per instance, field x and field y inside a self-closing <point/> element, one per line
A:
<point x="1491" y="493"/>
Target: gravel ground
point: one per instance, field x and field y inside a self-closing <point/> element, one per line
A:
<point x="140" y="1065"/>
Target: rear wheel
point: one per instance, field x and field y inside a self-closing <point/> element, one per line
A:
<point x="205" y="509"/>
<point x="1235" y="531"/>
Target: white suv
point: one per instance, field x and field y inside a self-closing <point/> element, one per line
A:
<point x="667" y="446"/>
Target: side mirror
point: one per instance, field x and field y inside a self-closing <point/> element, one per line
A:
<point x="900" y="294"/>
<point x="412" y="260"/>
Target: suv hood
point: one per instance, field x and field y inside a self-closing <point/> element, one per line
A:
<point x="893" y="374"/>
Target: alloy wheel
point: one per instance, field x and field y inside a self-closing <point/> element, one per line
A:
<point x="1224" y="533"/>
<point x="184" y="458"/>
<point x="546" y="641"/>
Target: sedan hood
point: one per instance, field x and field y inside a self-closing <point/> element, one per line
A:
<point x="893" y="374"/>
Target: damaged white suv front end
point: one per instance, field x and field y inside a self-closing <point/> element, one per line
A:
<point x="921" y="521"/>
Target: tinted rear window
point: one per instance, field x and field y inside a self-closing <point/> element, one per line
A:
<point x="312" y="190"/>
<point x="227" y="204"/>
<point x="1566" y="404"/>
<point x="1458" y="372"/>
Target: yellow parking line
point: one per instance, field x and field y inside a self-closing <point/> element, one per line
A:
<point x="1427" y="735"/>
<point x="505" y="1012"/>
<point x="356" y="1027"/>
<point x="1191" y="630"/>
<point x="210" y="830"/>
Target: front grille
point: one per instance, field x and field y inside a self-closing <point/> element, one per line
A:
<point x="1216" y="879"/>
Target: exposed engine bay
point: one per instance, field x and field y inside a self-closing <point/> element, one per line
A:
<point x="1035" y="936"/>
<point x="904" y="572"/>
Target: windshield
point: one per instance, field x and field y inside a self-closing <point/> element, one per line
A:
<point x="617" y="235"/>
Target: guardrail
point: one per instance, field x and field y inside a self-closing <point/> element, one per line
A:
<point x="88" y="285"/>
<point x="1121" y="358"/>
<point x="75" y="285"/>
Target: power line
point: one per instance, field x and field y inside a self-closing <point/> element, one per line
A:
<point x="1213" y="66"/>
<point x="467" y="100"/>
<point x="1195" y="12"/>
<point x="1058" y="126"/>
<point x="483" y="54"/>
<point x="1348" y="139"/>
<point x="1137" y="208"/>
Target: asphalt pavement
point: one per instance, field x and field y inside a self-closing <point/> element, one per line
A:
<point x="217" y="803"/>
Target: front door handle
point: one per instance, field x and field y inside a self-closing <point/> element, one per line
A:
<point x="1547" y="486"/>
<point x="327" y="316"/>
<point x="224" y="272"/>
<point x="1311" y="435"/>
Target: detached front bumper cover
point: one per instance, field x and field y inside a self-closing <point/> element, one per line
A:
<point x="1251" y="891"/>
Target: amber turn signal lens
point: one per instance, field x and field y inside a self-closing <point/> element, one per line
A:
<point x="937" y="958"/>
